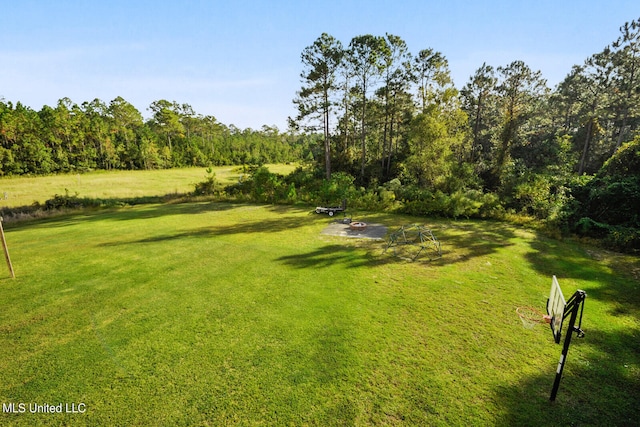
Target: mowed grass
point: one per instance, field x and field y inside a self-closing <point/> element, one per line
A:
<point x="24" y="191"/>
<point x="222" y="314"/>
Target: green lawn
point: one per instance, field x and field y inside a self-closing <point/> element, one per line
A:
<point x="23" y="191"/>
<point x="221" y="314"/>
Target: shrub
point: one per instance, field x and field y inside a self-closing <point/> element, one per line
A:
<point x="608" y="200"/>
<point x="209" y="186"/>
<point x="619" y="238"/>
<point x="588" y="227"/>
<point x="625" y="161"/>
<point x="467" y="203"/>
<point x="625" y="239"/>
<point x="263" y="186"/>
<point x="69" y="202"/>
<point x="540" y="196"/>
<point x="605" y="208"/>
<point x="339" y="187"/>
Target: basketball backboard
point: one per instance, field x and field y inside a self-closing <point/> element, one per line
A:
<point x="555" y="308"/>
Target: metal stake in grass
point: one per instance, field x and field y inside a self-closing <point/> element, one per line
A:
<point x="6" y="250"/>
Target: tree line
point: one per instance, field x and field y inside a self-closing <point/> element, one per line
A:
<point x="97" y="135"/>
<point x="388" y="128"/>
<point x="384" y="112"/>
<point x="388" y="116"/>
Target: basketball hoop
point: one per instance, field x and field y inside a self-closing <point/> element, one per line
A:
<point x="530" y="317"/>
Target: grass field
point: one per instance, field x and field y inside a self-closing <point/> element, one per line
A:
<point x="222" y="314"/>
<point x="24" y="191"/>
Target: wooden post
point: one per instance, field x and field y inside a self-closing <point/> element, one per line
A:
<point x="6" y="250"/>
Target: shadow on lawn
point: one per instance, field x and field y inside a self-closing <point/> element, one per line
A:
<point x="148" y="211"/>
<point x="460" y="243"/>
<point x="124" y="213"/>
<point x="600" y="384"/>
<point x="194" y="208"/>
<point x="270" y="225"/>
<point x="463" y="242"/>
<point x="615" y="284"/>
<point x="335" y="255"/>
<point x="601" y="389"/>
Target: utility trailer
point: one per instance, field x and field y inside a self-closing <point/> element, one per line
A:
<point x="331" y="211"/>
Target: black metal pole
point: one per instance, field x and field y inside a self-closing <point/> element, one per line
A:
<point x="577" y="298"/>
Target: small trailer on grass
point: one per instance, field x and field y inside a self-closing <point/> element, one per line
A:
<point x="332" y="210"/>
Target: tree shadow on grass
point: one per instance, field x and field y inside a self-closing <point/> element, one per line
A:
<point x="615" y="286"/>
<point x="194" y="208"/>
<point x="334" y="255"/>
<point x="463" y="242"/>
<point x="597" y="388"/>
<point x="269" y="225"/>
<point x="167" y="209"/>
<point x="124" y="213"/>
<point x="602" y="386"/>
<point x="459" y="243"/>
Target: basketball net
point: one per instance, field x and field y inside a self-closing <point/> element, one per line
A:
<point x="530" y="317"/>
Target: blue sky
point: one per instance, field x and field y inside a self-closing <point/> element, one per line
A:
<point x="240" y="60"/>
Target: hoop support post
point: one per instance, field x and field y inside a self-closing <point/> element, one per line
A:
<point x="573" y="305"/>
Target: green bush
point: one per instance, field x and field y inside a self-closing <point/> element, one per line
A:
<point x="625" y="162"/>
<point x="587" y="227"/>
<point x="605" y="208"/>
<point x="619" y="238"/>
<point x="607" y="200"/>
<point x="207" y="187"/>
<point x="263" y="186"/>
<point x="624" y="239"/>
<point x="339" y="187"/>
<point x="467" y="203"/>
<point x="539" y="195"/>
<point x="69" y="202"/>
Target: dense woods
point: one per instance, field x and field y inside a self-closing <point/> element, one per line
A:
<point x="385" y="112"/>
<point x="568" y="155"/>
<point x="96" y="135"/>
<point x="386" y="127"/>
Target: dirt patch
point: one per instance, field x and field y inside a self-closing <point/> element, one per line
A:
<point x="372" y="231"/>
